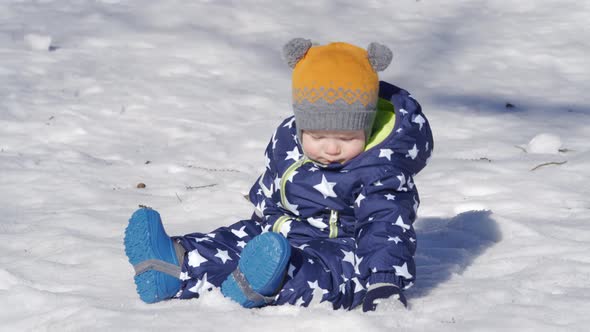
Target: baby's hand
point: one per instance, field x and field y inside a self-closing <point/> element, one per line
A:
<point x="377" y="294"/>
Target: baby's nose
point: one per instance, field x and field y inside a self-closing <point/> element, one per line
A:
<point x="332" y="148"/>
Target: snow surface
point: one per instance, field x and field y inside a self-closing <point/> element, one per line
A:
<point x="98" y="96"/>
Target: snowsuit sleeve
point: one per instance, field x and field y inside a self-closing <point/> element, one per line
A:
<point x="261" y="194"/>
<point x="386" y="211"/>
<point x="386" y="241"/>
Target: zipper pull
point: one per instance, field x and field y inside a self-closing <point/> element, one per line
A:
<point x="332" y="222"/>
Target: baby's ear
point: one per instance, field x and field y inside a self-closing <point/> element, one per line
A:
<point x="379" y="55"/>
<point x="295" y="50"/>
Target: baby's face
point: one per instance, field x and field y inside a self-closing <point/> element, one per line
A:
<point x="333" y="146"/>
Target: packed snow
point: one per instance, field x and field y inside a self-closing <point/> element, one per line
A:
<point x="98" y="97"/>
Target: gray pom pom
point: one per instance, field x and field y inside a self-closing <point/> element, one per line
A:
<point x="295" y="50"/>
<point x="380" y="56"/>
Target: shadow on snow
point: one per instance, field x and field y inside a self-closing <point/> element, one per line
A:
<point x="449" y="246"/>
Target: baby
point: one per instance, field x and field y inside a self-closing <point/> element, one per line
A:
<point x="334" y="207"/>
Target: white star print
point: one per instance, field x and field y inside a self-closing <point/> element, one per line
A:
<point x="317" y="222"/>
<point x="201" y="239"/>
<point x="291" y="207"/>
<point x="202" y="284"/>
<point x="290" y="179"/>
<point x="313" y="285"/>
<point x="277" y="184"/>
<point x="241" y="244"/>
<point x="402" y="182"/>
<point x="261" y="206"/>
<point x="378" y="184"/>
<point x="286" y="228"/>
<point x="274" y="140"/>
<point x="402" y="271"/>
<point x="357" y="285"/>
<point x="385" y="153"/>
<point x="266" y="161"/>
<point x="195" y="259"/>
<point x="348" y="257"/>
<point x="419" y="120"/>
<point x="291" y="270"/>
<point x="303" y="246"/>
<point x="390" y="197"/>
<point x="342" y="288"/>
<point x="290" y="123"/>
<point x="359" y="199"/>
<point x="316" y="285"/>
<point x="326" y="188"/>
<point x="293" y="154"/>
<point x="394" y="239"/>
<point x="413" y="153"/>
<point x="300" y="301"/>
<point x="358" y="263"/>
<point x="184" y="276"/>
<point x="400" y="222"/>
<point x="403" y="111"/>
<point x="223" y="255"/>
<point x="310" y="261"/>
<point x="344" y="278"/>
<point x="427" y="146"/>
<point x="240" y="233"/>
<point x="410" y="183"/>
<point x="267" y="192"/>
<point x="314" y="168"/>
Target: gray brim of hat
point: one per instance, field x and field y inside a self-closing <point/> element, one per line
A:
<point x="335" y="120"/>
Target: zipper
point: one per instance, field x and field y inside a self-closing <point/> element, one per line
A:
<point x="286" y="177"/>
<point x="333" y="225"/>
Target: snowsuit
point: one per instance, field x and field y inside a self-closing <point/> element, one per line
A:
<point x="349" y="225"/>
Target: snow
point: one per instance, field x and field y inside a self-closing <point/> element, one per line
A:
<point x="98" y="96"/>
<point x="38" y="42"/>
<point x="545" y="143"/>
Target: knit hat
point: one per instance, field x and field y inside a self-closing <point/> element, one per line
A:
<point x="335" y="86"/>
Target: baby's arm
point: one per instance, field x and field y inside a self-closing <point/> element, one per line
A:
<point x="263" y="194"/>
<point x="386" y="241"/>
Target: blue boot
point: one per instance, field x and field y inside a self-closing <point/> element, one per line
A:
<point x="260" y="272"/>
<point x="151" y="252"/>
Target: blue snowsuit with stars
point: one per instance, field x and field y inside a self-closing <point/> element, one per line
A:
<point x="349" y="225"/>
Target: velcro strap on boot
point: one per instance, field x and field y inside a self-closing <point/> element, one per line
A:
<point x="157" y="265"/>
<point x="250" y="293"/>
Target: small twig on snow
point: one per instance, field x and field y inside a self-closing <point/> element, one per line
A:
<point x="521" y="148"/>
<point x="200" y="187"/>
<point x="214" y="169"/>
<point x="180" y="200"/>
<point x="549" y="163"/>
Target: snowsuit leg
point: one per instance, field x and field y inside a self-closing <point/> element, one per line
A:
<point x="211" y="257"/>
<point x="322" y="270"/>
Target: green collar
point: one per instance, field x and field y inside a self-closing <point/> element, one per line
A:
<point x="384" y="123"/>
